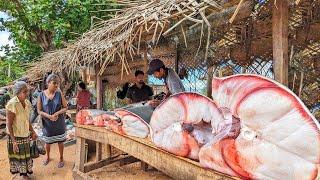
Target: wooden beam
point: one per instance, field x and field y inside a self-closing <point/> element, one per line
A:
<point x="80" y="154"/>
<point x="209" y="81"/>
<point x="280" y="27"/>
<point x="176" y="63"/>
<point x="78" y="175"/>
<point x="128" y="160"/>
<point x="83" y="72"/>
<point x="99" y="88"/>
<point x="96" y="165"/>
<point x="98" y="151"/>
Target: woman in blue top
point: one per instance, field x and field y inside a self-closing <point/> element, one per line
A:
<point x="52" y="106"/>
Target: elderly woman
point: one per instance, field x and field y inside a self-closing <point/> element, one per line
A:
<point x="51" y="107"/>
<point x="19" y="129"/>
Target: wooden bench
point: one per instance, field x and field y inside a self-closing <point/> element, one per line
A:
<point x="142" y="149"/>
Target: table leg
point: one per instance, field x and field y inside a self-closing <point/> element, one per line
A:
<point x="80" y="154"/>
<point x="98" y="151"/>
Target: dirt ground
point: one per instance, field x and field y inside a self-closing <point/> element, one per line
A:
<point x="51" y="172"/>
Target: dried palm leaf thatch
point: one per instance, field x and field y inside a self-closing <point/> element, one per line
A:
<point x="138" y="22"/>
<point x="50" y="62"/>
<point x="146" y="20"/>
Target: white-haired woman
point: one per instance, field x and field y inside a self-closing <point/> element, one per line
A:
<point x="52" y="106"/>
<point x="20" y="130"/>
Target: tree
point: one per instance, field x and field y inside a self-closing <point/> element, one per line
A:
<point x="45" y="25"/>
<point x="9" y="71"/>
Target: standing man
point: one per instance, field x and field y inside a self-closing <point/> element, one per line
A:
<point x="139" y="91"/>
<point x="171" y="79"/>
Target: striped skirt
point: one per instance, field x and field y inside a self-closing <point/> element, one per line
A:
<point x="54" y="139"/>
<point x="20" y="162"/>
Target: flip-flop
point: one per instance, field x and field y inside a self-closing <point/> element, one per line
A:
<point x="45" y="162"/>
<point x="60" y="164"/>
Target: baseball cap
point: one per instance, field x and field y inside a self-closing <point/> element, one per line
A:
<point x="154" y="65"/>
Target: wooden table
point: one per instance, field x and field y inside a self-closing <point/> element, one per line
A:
<point x="72" y="114"/>
<point x="143" y="149"/>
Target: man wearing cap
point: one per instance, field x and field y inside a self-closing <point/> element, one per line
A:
<point x="171" y="79"/>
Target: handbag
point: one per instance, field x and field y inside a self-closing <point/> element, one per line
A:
<point x="36" y="149"/>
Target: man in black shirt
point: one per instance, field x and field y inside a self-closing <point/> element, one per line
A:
<point x="139" y="91"/>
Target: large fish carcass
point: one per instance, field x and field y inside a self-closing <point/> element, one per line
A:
<point x="254" y="128"/>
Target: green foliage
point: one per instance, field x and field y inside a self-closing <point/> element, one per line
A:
<point x="44" y="25"/>
<point x="9" y="71"/>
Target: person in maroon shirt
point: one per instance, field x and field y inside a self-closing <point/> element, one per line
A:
<point x="83" y="97"/>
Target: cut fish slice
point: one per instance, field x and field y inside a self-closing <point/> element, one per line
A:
<point x="94" y="117"/>
<point x="185" y="122"/>
<point x="132" y="124"/>
<point x="279" y="139"/>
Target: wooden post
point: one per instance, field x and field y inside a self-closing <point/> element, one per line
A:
<point x="209" y="81"/>
<point x="280" y="40"/>
<point x="100" y="93"/>
<point x="98" y="151"/>
<point x="107" y="150"/>
<point x="80" y="154"/>
<point x="83" y="72"/>
<point x="146" y="64"/>
<point x="176" y="63"/>
<point x="99" y="88"/>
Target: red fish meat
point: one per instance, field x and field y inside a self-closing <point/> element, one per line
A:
<point x="184" y="123"/>
<point x="131" y="124"/>
<point x="94" y="117"/>
<point x="279" y="138"/>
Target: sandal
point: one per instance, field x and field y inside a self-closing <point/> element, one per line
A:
<point x="60" y="164"/>
<point x="45" y="162"/>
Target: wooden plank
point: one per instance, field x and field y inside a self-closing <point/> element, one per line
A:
<point x="78" y="175"/>
<point x="145" y="150"/>
<point x="128" y="160"/>
<point x="95" y="165"/>
<point x="80" y="154"/>
<point x="280" y="27"/>
<point x="107" y="150"/>
<point x="98" y="151"/>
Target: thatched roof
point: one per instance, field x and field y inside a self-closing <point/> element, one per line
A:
<point x="123" y="34"/>
<point x="126" y="34"/>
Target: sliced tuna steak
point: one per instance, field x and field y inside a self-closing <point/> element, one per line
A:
<point x="184" y="123"/>
<point x="132" y="120"/>
<point x="279" y="137"/>
<point x="131" y="124"/>
<point x="94" y="117"/>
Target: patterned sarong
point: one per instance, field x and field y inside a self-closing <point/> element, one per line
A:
<point x="20" y="162"/>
